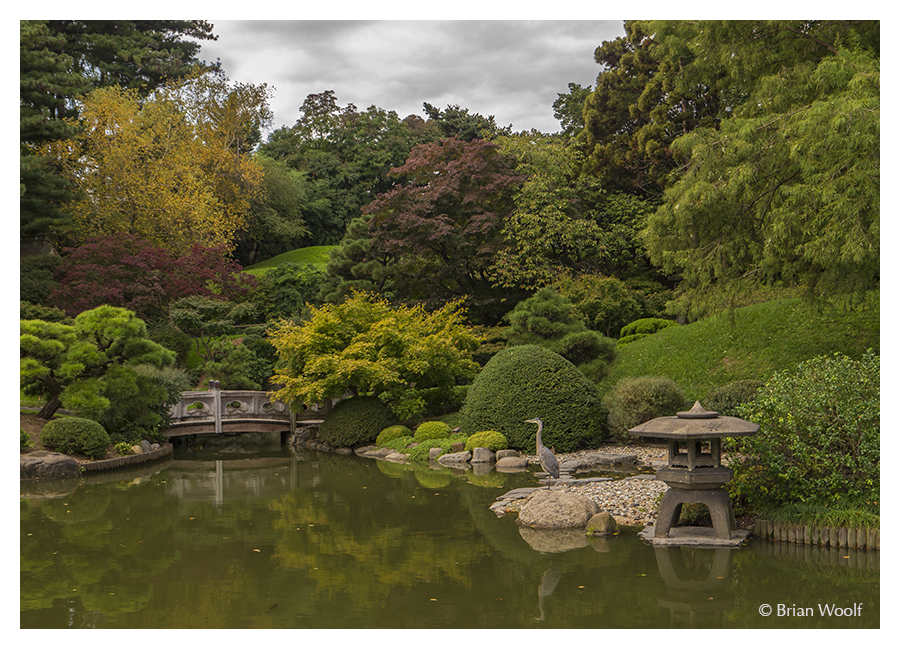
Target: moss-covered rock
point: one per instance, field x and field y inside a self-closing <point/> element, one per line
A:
<point x="528" y="381"/>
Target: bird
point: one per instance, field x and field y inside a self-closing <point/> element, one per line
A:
<point x="545" y="455"/>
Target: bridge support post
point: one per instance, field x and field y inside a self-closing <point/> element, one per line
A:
<point x="217" y="405"/>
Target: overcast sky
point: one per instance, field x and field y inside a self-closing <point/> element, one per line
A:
<point x="513" y="70"/>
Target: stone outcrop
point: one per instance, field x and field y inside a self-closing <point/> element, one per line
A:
<point x="47" y="465"/>
<point x="451" y="459"/>
<point x="481" y="454"/>
<point x="547" y="509"/>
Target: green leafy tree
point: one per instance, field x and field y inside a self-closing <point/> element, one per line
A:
<point x="89" y="367"/>
<point x="554" y="225"/>
<point x="550" y="320"/>
<point x="285" y="291"/>
<point x="357" y="265"/>
<point x="345" y="154"/>
<point x="634" y="113"/>
<point x="457" y="122"/>
<point x="207" y="319"/>
<point x="277" y="218"/>
<point x="569" y="109"/>
<point x="786" y="191"/>
<point x="366" y="347"/>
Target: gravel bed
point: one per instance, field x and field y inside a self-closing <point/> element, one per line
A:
<point x="631" y="501"/>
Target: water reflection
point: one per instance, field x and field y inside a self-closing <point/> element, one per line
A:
<point x="322" y="541"/>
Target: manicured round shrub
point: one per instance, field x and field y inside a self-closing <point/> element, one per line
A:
<point x="636" y="400"/>
<point x="818" y="439"/>
<point x="487" y="439"/>
<point x="726" y="399"/>
<point x="432" y="430"/>
<point x="355" y="422"/>
<point x="528" y="381"/>
<point x="391" y="433"/>
<point x="76" y="435"/>
<point x="646" y="326"/>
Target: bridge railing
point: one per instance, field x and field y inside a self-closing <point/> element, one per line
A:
<point x="215" y="407"/>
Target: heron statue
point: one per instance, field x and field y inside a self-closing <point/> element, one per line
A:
<point x="545" y="455"/>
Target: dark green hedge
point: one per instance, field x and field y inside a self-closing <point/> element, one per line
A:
<point x="355" y="422"/>
<point x="76" y="435"/>
<point x="528" y="381"/>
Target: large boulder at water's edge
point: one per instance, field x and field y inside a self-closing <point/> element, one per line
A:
<point x="46" y="465"/>
<point x="556" y="510"/>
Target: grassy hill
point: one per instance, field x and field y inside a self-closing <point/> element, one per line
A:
<point x="315" y="255"/>
<point x="761" y="339"/>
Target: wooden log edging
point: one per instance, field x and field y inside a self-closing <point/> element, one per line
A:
<point x="860" y="538"/>
<point x="128" y="460"/>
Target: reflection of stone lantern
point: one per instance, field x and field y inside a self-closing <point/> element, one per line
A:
<point x="695" y="475"/>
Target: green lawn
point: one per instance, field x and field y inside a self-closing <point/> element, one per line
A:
<point x="764" y="338"/>
<point x="315" y="255"/>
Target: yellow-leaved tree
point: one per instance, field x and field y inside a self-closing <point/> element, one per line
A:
<point x="174" y="168"/>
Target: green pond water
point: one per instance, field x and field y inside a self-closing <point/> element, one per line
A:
<point x="317" y="540"/>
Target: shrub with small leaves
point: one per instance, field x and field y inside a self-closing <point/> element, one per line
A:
<point x="487" y="439"/>
<point x="636" y="400"/>
<point x="391" y="433"/>
<point x="646" y="326"/>
<point x="123" y="448"/>
<point x="75" y="435"/>
<point x="726" y="399"/>
<point x="24" y="439"/>
<point x="432" y="430"/>
<point x="819" y="436"/>
<point x="355" y="422"/>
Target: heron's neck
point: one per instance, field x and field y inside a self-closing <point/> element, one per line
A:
<point x="538" y="440"/>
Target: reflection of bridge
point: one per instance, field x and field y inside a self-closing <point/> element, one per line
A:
<point x="235" y="411"/>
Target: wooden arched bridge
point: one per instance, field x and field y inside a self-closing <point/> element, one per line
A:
<point x="236" y="411"/>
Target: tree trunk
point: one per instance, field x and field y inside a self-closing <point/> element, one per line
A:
<point x="50" y="407"/>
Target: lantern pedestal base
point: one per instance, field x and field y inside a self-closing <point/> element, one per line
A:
<point x="720" y="511"/>
<point x="699" y="537"/>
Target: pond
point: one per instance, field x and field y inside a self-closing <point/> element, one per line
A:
<point x="318" y="540"/>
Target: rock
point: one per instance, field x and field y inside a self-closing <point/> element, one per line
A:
<point x="154" y="447"/>
<point x="344" y="451"/>
<point x="454" y="458"/>
<point x="435" y="453"/>
<point x="377" y="452"/>
<point x="145" y="446"/>
<point x="548" y="509"/>
<point x="395" y="457"/>
<point x="481" y="454"/>
<point x="507" y="452"/>
<point x="136" y="449"/>
<point x="510" y="463"/>
<point x="46" y="465"/>
<point x="458" y="447"/>
<point x="602" y="524"/>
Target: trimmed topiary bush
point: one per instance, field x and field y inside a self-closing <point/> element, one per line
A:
<point x="432" y="430"/>
<point x="528" y="381"/>
<point x="819" y="436"/>
<point x="76" y="435"/>
<point x="729" y="397"/>
<point x="636" y="400"/>
<point x="646" y="326"/>
<point x="487" y="439"/>
<point x="355" y="422"/>
<point x="391" y="433"/>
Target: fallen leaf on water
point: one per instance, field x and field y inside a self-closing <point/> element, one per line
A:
<point x="256" y="550"/>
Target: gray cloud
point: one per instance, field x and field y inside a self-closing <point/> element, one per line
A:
<point x="513" y="70"/>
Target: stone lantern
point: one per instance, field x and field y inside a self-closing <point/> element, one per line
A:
<point x="695" y="475"/>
